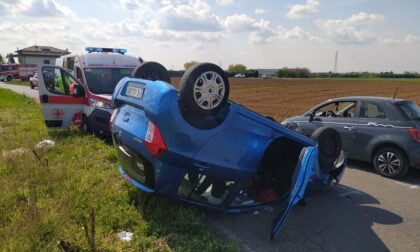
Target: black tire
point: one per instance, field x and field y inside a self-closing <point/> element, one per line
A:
<point x="151" y="71"/>
<point x="32" y="86"/>
<point x="216" y="91"/>
<point x="390" y="162"/>
<point x="85" y="126"/>
<point x="329" y="147"/>
<point x="9" y="78"/>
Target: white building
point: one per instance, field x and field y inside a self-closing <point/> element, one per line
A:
<point x="39" y="55"/>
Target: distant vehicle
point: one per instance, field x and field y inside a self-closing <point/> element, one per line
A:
<point x="33" y="81"/>
<point x="197" y="147"/>
<point x="17" y="71"/>
<point x="1" y="78"/>
<point x="240" y="75"/>
<point x="383" y="131"/>
<point x="80" y="92"/>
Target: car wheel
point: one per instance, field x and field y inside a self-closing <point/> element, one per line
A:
<point x="151" y="71"/>
<point x="390" y="162"/>
<point x="9" y="78"/>
<point x="329" y="147"/>
<point x="204" y="89"/>
<point x="32" y="85"/>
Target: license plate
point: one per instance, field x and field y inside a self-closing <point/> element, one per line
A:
<point x="136" y="92"/>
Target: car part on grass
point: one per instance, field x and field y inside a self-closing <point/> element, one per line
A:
<point x="150" y="70"/>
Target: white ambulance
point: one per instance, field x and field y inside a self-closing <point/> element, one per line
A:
<point x="80" y="92"/>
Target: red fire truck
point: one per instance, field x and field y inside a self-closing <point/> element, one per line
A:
<point x="17" y="71"/>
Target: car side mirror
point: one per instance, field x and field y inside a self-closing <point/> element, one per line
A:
<point x="79" y="91"/>
<point x="311" y="116"/>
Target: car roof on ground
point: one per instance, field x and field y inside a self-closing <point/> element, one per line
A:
<point x="368" y="98"/>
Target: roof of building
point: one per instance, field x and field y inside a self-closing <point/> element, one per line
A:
<point x="36" y="48"/>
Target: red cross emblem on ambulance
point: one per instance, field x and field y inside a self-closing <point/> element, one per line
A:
<point x="57" y="113"/>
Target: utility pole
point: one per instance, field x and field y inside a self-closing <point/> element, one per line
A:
<point x="335" y="62"/>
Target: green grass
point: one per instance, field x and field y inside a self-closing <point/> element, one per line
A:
<point x="369" y="79"/>
<point x="64" y="193"/>
<point x="16" y="82"/>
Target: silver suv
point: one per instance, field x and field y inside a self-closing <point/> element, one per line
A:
<point x="383" y="131"/>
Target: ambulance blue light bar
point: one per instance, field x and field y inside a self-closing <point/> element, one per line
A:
<point x="101" y="49"/>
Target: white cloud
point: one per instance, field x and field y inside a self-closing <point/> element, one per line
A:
<point x="244" y="23"/>
<point x="390" y="41"/>
<point x="38" y="8"/>
<point x="298" y="33"/>
<point x="224" y="2"/>
<point x="412" y="39"/>
<point x="303" y="10"/>
<point x="197" y="46"/>
<point x="352" y="30"/>
<point x="260" y="11"/>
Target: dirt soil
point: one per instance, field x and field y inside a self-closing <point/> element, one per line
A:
<point x="283" y="98"/>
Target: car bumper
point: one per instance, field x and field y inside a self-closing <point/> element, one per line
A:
<point x="99" y="121"/>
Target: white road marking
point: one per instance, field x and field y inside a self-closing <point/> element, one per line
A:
<point x="411" y="186"/>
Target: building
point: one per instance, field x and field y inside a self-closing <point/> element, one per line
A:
<point x="39" y="55"/>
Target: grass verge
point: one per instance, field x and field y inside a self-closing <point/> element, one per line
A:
<point x="16" y="82"/>
<point x="73" y="195"/>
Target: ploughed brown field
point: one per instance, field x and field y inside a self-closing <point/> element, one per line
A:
<point x="283" y="98"/>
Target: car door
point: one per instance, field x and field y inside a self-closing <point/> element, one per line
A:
<point x="62" y="97"/>
<point x="342" y="116"/>
<point x="307" y="161"/>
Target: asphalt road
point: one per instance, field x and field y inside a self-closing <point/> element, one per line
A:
<point x="22" y="90"/>
<point x="366" y="212"/>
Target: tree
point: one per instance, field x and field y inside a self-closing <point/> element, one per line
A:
<point x="237" y="68"/>
<point x="1" y="59"/>
<point x="10" y="58"/>
<point x="189" y="64"/>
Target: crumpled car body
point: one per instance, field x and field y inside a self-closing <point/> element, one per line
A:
<point x="243" y="162"/>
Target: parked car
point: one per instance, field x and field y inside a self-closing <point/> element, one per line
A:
<point x="240" y="75"/>
<point x="383" y="131"/>
<point x="1" y="78"/>
<point x="198" y="147"/>
<point x="33" y="81"/>
<point x="80" y="92"/>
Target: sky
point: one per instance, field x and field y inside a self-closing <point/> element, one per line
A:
<point x="369" y="35"/>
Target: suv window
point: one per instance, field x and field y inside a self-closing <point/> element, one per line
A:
<point x="411" y="110"/>
<point x="371" y="110"/>
<point x="337" y="109"/>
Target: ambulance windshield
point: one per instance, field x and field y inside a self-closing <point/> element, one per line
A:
<point x="104" y="80"/>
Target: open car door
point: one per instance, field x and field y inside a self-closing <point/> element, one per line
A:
<point x="61" y="95"/>
<point x="307" y="160"/>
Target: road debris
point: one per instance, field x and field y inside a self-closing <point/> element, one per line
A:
<point x="125" y="236"/>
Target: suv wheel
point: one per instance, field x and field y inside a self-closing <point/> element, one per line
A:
<point x="390" y="162"/>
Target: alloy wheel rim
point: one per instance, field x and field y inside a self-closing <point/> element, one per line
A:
<point x="389" y="163"/>
<point x="209" y="90"/>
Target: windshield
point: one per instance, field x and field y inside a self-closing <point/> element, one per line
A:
<point x="104" y="80"/>
<point x="410" y="109"/>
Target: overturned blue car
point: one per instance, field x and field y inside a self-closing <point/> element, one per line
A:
<point x="196" y="146"/>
